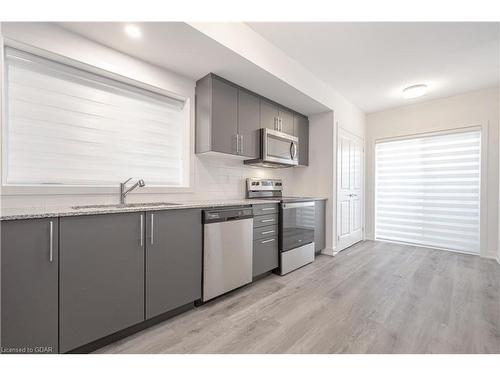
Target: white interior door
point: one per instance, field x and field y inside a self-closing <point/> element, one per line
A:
<point x="350" y="179"/>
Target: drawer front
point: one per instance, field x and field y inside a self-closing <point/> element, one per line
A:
<point x="265" y="220"/>
<point x="265" y="209"/>
<point x="265" y="255"/>
<point x="265" y="232"/>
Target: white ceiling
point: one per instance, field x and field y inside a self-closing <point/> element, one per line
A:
<point x="180" y="48"/>
<point x="370" y="63"/>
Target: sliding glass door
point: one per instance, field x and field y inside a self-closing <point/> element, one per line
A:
<point x="428" y="191"/>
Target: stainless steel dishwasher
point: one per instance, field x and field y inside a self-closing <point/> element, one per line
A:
<point x="227" y="250"/>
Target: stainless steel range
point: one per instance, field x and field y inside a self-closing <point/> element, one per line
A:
<point x="296" y="224"/>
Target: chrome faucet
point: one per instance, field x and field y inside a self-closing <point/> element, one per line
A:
<point x="123" y="192"/>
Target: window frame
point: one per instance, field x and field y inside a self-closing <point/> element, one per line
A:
<point x="82" y="189"/>
<point x="483" y="206"/>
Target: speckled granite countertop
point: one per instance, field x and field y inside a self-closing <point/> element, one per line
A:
<point x="61" y="211"/>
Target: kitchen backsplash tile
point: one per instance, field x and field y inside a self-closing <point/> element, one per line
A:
<point x="215" y="177"/>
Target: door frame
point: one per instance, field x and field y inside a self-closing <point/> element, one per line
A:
<point x="341" y="130"/>
<point x="483" y="191"/>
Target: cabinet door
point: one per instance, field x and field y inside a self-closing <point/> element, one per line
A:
<point x="173" y="260"/>
<point x="248" y="123"/>
<point x="286" y="121"/>
<point x="29" y="285"/>
<point x="268" y="115"/>
<point x="101" y="276"/>
<point x="265" y="255"/>
<point x="301" y="130"/>
<point x="319" y="225"/>
<point x="224" y="117"/>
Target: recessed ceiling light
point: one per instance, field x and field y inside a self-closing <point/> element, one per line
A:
<point x="414" y="91"/>
<point x="133" y="31"/>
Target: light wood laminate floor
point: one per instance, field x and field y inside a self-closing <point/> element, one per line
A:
<point x="374" y="297"/>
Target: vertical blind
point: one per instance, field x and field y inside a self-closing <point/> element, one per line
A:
<point x="66" y="126"/>
<point x="428" y="190"/>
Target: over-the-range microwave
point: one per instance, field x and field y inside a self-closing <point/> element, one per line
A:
<point x="277" y="150"/>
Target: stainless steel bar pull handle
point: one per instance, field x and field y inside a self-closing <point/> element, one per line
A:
<point x="266" y="241"/>
<point x="267" y="220"/>
<point x="267" y="232"/>
<point x="268" y="209"/>
<point x="152" y="229"/>
<point x="141" y="240"/>
<point x="51" y="240"/>
<point x="241" y="144"/>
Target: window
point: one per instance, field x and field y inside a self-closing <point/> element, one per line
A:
<point x="428" y="190"/>
<point x="66" y="126"/>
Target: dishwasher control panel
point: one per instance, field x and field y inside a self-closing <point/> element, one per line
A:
<point x="214" y="216"/>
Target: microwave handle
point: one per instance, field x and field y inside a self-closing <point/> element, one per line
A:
<point x="293" y="150"/>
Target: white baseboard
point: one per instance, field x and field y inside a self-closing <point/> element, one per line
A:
<point x="331" y="251"/>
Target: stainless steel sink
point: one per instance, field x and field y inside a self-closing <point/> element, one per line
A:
<point x="124" y="205"/>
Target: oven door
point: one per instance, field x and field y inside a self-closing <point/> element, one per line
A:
<point x="278" y="147"/>
<point x="297" y="225"/>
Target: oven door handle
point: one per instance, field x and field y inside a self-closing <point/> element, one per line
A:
<point x="297" y="204"/>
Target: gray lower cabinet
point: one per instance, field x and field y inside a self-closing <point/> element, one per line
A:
<point x="265" y="255"/>
<point x="265" y="238"/>
<point x="301" y="130"/>
<point x="29" y="286"/>
<point x="173" y="260"/>
<point x="319" y="225"/>
<point x="101" y="276"/>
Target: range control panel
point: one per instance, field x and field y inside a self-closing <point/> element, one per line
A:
<point x="256" y="184"/>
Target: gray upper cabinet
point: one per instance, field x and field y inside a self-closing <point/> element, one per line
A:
<point x="301" y="130"/>
<point x="173" y="260"/>
<point x="286" y="121"/>
<point x="268" y="115"/>
<point x="224" y="117"/>
<point x="228" y="119"/>
<point x="248" y="123"/>
<point x="30" y="285"/>
<point x="101" y="276"/>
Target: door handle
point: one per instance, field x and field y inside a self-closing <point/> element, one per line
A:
<point x="241" y="144"/>
<point x="268" y="208"/>
<point x="152" y="229"/>
<point x="281" y="124"/>
<point x="267" y="232"/>
<point x="51" y="240"/>
<point x="266" y="220"/>
<point x="141" y="241"/>
<point x="266" y="241"/>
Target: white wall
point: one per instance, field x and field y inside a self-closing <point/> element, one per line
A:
<point x="318" y="179"/>
<point x="213" y="177"/>
<point x="470" y="109"/>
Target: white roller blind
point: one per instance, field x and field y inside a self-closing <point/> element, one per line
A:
<point x="428" y="190"/>
<point x="66" y="126"/>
